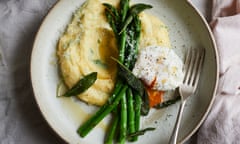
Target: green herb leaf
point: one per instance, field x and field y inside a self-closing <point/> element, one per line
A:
<point x="167" y="103"/>
<point x="134" y="11"/>
<point x="141" y="132"/>
<point x="137" y="8"/>
<point x="82" y="85"/>
<point x="130" y="78"/>
<point x="136" y="84"/>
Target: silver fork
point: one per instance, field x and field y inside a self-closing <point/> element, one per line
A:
<point x="192" y="69"/>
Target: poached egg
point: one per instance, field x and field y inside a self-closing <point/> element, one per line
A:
<point x="159" y="67"/>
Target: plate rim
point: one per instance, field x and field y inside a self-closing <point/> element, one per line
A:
<point x="53" y="130"/>
<point x="209" y="31"/>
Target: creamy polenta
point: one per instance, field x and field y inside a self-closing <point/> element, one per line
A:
<point x="89" y="43"/>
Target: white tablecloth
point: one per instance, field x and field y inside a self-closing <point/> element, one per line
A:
<point x="20" y="120"/>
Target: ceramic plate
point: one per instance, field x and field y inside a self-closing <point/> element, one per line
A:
<point x="187" y="29"/>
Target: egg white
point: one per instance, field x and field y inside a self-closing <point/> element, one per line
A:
<point x="159" y="67"/>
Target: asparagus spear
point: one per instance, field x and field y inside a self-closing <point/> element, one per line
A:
<point x="122" y="44"/>
<point x="112" y="129"/>
<point x="130" y="112"/>
<point x="115" y="121"/>
<point x="138" y="103"/>
<point x="136" y="84"/>
<point x="132" y="43"/>
<point x="113" y="18"/>
<point x="124" y="6"/>
<point x="95" y="119"/>
<point x="123" y="120"/>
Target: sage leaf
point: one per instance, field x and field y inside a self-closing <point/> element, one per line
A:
<point x="82" y="85"/>
<point x="130" y="78"/>
<point x="134" y="11"/>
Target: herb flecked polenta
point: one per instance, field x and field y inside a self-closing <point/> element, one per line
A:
<point x="89" y="43"/>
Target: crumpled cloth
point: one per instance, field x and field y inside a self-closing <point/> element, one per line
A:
<point x="222" y="125"/>
<point x="20" y="119"/>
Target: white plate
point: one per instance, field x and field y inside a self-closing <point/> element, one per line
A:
<point x="187" y="29"/>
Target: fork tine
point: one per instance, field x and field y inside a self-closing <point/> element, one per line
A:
<point x="199" y="67"/>
<point x="187" y="64"/>
<point x="194" y="70"/>
<point x="192" y="66"/>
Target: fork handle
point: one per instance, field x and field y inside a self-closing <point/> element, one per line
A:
<point x="173" y="138"/>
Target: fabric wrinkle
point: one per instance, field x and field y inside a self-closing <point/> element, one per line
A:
<point x="222" y="124"/>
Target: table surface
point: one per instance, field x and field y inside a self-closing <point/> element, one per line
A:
<point x="20" y="119"/>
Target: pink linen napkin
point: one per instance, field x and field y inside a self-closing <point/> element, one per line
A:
<point x="222" y="125"/>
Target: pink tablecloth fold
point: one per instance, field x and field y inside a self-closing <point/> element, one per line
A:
<point x="222" y="126"/>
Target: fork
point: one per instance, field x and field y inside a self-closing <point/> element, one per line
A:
<point x="192" y="69"/>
